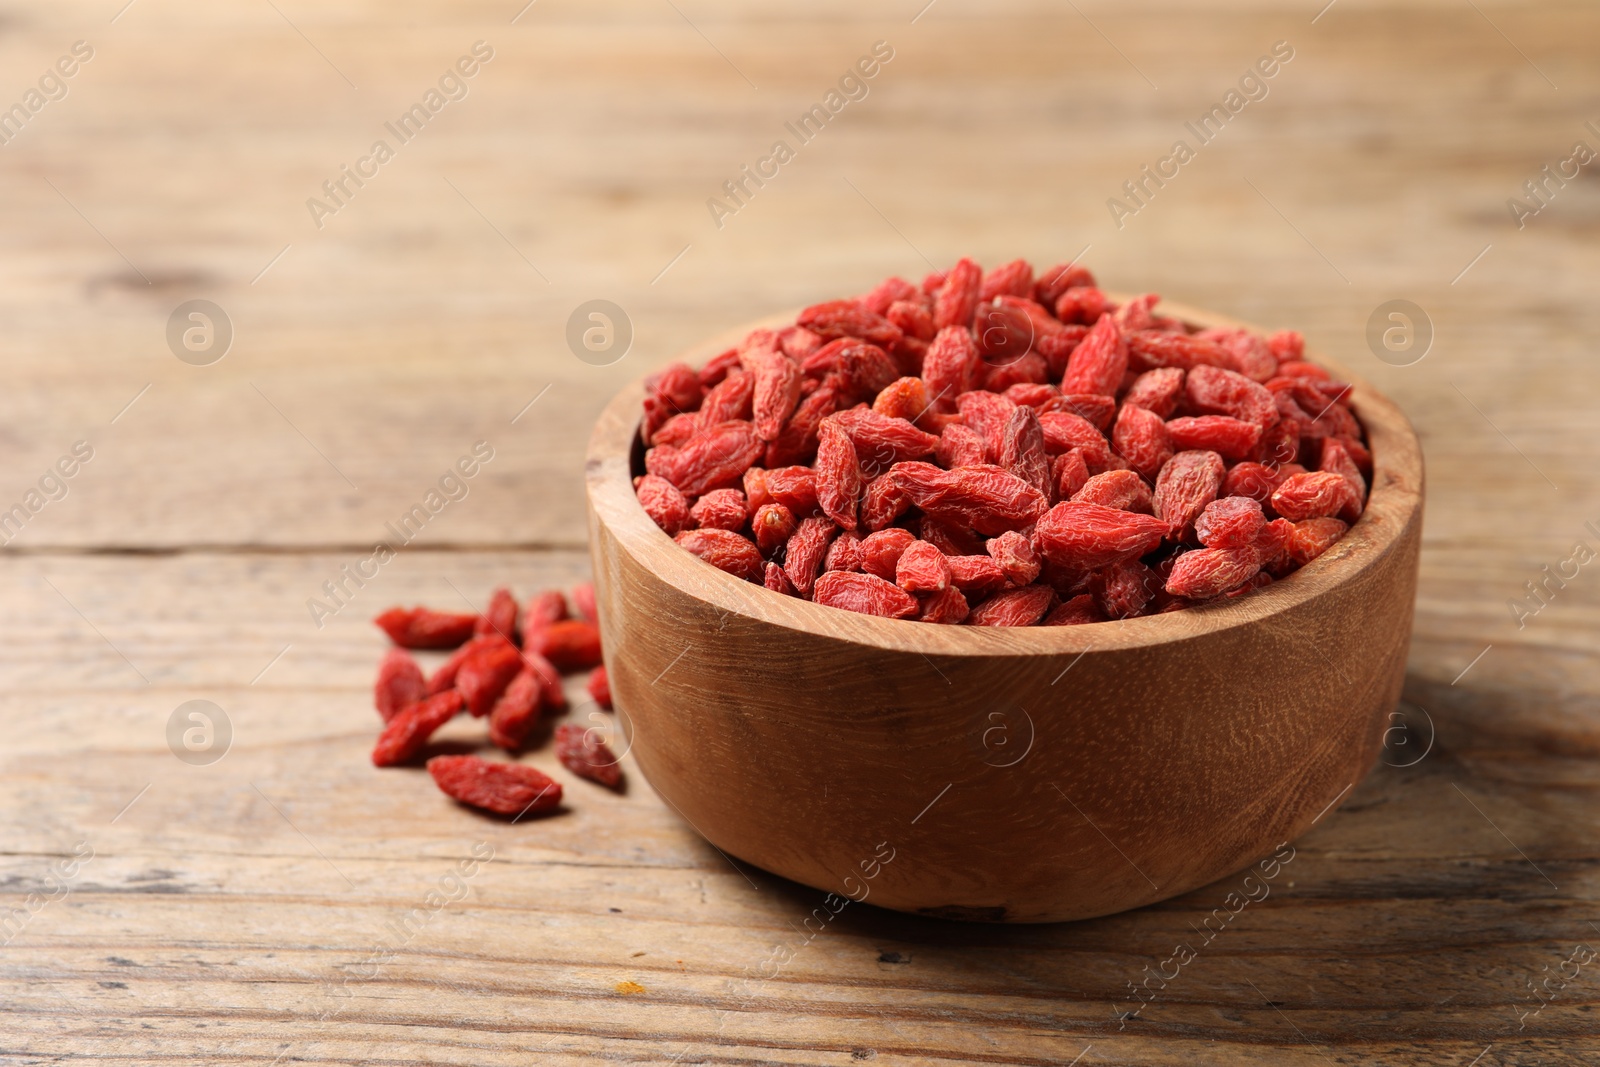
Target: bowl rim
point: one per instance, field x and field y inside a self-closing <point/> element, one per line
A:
<point x="1394" y="505"/>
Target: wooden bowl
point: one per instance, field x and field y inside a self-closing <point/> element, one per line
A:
<point x="1016" y="775"/>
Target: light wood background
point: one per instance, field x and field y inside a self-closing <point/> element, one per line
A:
<point x="224" y="910"/>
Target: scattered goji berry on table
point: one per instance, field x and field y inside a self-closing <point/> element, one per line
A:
<point x="504" y="788"/>
<point x="583" y="752"/>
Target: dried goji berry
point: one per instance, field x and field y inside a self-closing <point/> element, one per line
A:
<point x="957" y="298"/>
<point x="513" y="716"/>
<point x="1313" y="537"/>
<point x="571" y="645"/>
<point x="1230" y="438"/>
<point x="545" y="608"/>
<point x="882" y="440"/>
<point x="885" y="293"/>
<point x="1081" y="304"/>
<point x="903" y="398"/>
<point x="777" y="581"/>
<point x="1010" y="279"/>
<point x="1099" y="362"/>
<point x="724" y="550"/>
<point x="838" y="475"/>
<point x="585" y="753"/>
<point x="1315" y="495"/>
<point x="551" y="695"/>
<point x="599" y="687"/>
<point x="797" y="441"/>
<point x="1209" y="572"/>
<point x="864" y="593"/>
<point x="882" y="503"/>
<point x="1058" y="279"/>
<point x="1085" y="536"/>
<point x="880" y="552"/>
<point x="1287" y="345"/>
<point x="984" y="498"/>
<point x="1230" y="522"/>
<point x="1097" y="411"/>
<point x="793" y="487"/>
<point x="399" y="683"/>
<point x="426" y="628"/>
<point x="729" y="401"/>
<point x="1140" y="437"/>
<point x="1014" y="607"/>
<point x="500" y="617"/>
<point x="914" y="320"/>
<point x="1079" y="610"/>
<point x="1159" y="348"/>
<point x="718" y="367"/>
<point x="1124" y="589"/>
<point x="504" y="788"/>
<point x="1063" y="431"/>
<point x="951" y="366"/>
<point x="1249" y="354"/>
<point x="1123" y="490"/>
<point x="713" y="459"/>
<point x="721" y="509"/>
<point x="1253" y="480"/>
<point x="1156" y="390"/>
<point x="959" y="446"/>
<point x="1224" y="392"/>
<point x="772" y="526"/>
<point x="665" y="505"/>
<point x="485" y="674"/>
<point x="1068" y="473"/>
<point x="975" y="575"/>
<point x="987" y="414"/>
<point x="921" y="569"/>
<point x="1022" y="450"/>
<point x="844" y="554"/>
<point x="805" y="552"/>
<point x="406" y="734"/>
<point x="1188" y="482"/>
<point x="777" y="392"/>
<point x="947" y="606"/>
<point x="583" y="597"/>
<point x="1336" y="458"/>
<point x="1014" y="553"/>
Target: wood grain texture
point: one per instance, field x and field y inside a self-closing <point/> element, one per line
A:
<point x="207" y="929"/>
<point x="811" y="742"/>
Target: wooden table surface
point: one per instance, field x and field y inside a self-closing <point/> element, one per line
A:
<point x="252" y="910"/>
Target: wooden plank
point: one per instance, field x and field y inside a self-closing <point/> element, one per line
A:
<point x="244" y="894"/>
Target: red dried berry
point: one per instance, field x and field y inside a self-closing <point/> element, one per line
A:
<point x="1313" y="537"/>
<point x="1248" y="354"/>
<point x="1228" y="437"/>
<point x="1253" y="480"/>
<point x="948" y="537"/>
<point x="1014" y="607"/>
<point x="1315" y="495"/>
<point x="585" y="753"/>
<point x="959" y="446"/>
<point x="903" y="398"/>
<point x="1124" y="590"/>
<point x="1140" y="437"/>
<point x="399" y="683"/>
<point x="1230" y="522"/>
<point x="1123" y="490"/>
<point x="957" y="298"/>
<point x="777" y="392"/>
<point x="864" y="593"/>
<point x="844" y="554"/>
<point x="1081" y="303"/>
<point x="514" y="715"/>
<point x="975" y="575"/>
<point x="797" y="442"/>
<point x="730" y="401"/>
<point x="848" y="318"/>
<point x="583" y="597"/>
<point x="1022" y="450"/>
<point x="1161" y="348"/>
<point x="1064" y="431"/>
<point x="885" y="293"/>
<point x="1209" y="572"/>
<point x="666" y="506"/>
<point x="914" y="320"/>
<point x="1099" y="362"/>
<point x="1188" y="482"/>
<point x="504" y="788"/>
<point x="880" y="552"/>
<point x="406" y="734"/>
<point x="1156" y="390"/>
<point x="445" y="677"/>
<point x="805" y="552"/>
<point x="714" y="458"/>
<point x="1223" y="392"/>
<point x="545" y="608"/>
<point x="951" y="366"/>
<point x="984" y="498"/>
<point x="1068" y="473"/>
<point x="948" y="606"/>
<point x="500" y="617"/>
<point x="724" y="550"/>
<point x="1078" y="611"/>
<point x="772" y="526"/>
<point x="1058" y="279"/>
<point x="1336" y="458"/>
<point x="485" y="674"/>
<point x="793" y="487"/>
<point x="777" y="581"/>
<point x="571" y="645"/>
<point x="1084" y="536"/>
<point x="921" y="568"/>
<point x="1011" y="279"/>
<point x="987" y="414"/>
<point x="1287" y="345"/>
<point x="838" y="475"/>
<point x="599" y="687"/>
<point x="721" y="509"/>
<point x="882" y="503"/>
<point x="882" y="440"/>
<point x="425" y="628"/>
<point x="551" y="694"/>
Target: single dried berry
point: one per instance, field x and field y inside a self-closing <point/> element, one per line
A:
<point x="921" y="568"/>
<point x="1123" y="490"/>
<point x="1231" y="522"/>
<point x="947" y="606"/>
<point x="1249" y="354"/>
<point x="504" y="788"/>
<point x="864" y="593"/>
<point x="513" y="716"/>
<point x="585" y="753"/>
<point x="599" y="687"/>
<point x="1313" y="537"/>
<point x="714" y="458"/>
<point x="1022" y="450"/>
<point x="1314" y="495"/>
<point x="551" y="695"/>
<point x="882" y="440"/>
<point x="721" y="509"/>
<point x="1254" y="480"/>
<point x="1014" y="553"/>
<point x="724" y="550"/>
<point x="984" y="498"/>
<point x="951" y="366"/>
<point x="1084" y="536"/>
<point x="1156" y="390"/>
<point x="844" y="554"/>
<point x="406" y="734"/>
<point x="500" y="617"/>
<point x="399" y="683"/>
<point x="886" y="293"/>
<point x="914" y="320"/>
<point x="987" y="414"/>
<point x="583" y="597"/>
<point x="777" y="581"/>
<point x="797" y="442"/>
<point x="1068" y="473"/>
<point x="1140" y="437"/>
<point x="1098" y="362"/>
<point x="838" y="475"/>
<point x="793" y="487"/>
<point x="772" y="526"/>
<point x="1010" y="279"/>
<point x="777" y="391"/>
<point x="1228" y="437"/>
<point x="1079" y="610"/>
<point x="1097" y="411"/>
<point x="665" y="505"/>
<point x="1188" y="482"/>
<point x="1081" y="303"/>
<point x="571" y="645"/>
<point x="731" y="400"/>
<point x="545" y="608"/>
<point x="1161" y="348"/>
<point x="719" y="367"/>
<point x="1058" y="279"/>
<point x="975" y="576"/>
<point x="805" y="552"/>
<point x="882" y="503"/>
<point x="1223" y="392"/>
<point x="957" y="298"/>
<point x="948" y="537"/>
<point x="1064" y="431"/>
<point x="959" y="446"/>
<point x="848" y="318"/>
<point x="1124" y="590"/>
<point x="903" y="398"/>
<point x="880" y="552"/>
<point x="1014" y="607"/>
<point x="1209" y="572"/>
<point x="445" y="677"/>
<point x="1336" y="458"/>
<point x="425" y="628"/>
<point x="485" y="674"/>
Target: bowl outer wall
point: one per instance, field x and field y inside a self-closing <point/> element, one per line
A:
<point x="1012" y="775"/>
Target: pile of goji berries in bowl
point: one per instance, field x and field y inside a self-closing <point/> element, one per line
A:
<point x="1003" y="449"/>
<point x="505" y="665"/>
